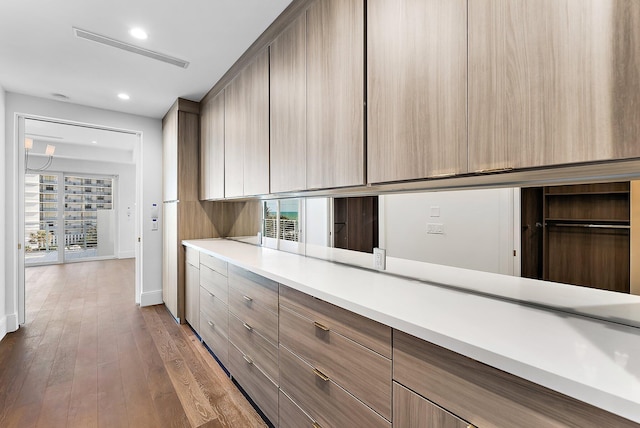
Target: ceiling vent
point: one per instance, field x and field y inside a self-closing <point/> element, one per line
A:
<point x="88" y="35"/>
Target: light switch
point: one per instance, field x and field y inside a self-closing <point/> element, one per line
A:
<point x="435" y="228"/>
<point x="154" y="224"/>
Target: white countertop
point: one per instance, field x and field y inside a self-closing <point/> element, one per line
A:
<point x="594" y="361"/>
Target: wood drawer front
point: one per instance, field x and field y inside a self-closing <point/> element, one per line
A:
<point x="215" y="283"/>
<point x="261" y="351"/>
<point x="324" y="401"/>
<point x="215" y="339"/>
<point x="193" y="256"/>
<point x="362" y="372"/>
<point x="215" y="311"/>
<point x="262" y="290"/>
<point x="484" y="395"/>
<point x="214" y="263"/>
<point x="411" y="410"/>
<point x="363" y="330"/>
<point x="292" y="416"/>
<point x="254" y="314"/>
<point x="259" y="387"/>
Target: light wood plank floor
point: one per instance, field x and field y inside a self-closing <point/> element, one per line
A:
<point x="88" y="356"/>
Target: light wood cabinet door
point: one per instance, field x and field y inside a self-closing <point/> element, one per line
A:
<point x="553" y="82"/>
<point x="170" y="156"/>
<point x="335" y="94"/>
<point x="247" y="130"/>
<point x="212" y="148"/>
<point x="170" y="257"/>
<point x="416" y="89"/>
<point x="192" y="295"/>
<point x="288" y="79"/>
<point x="413" y="411"/>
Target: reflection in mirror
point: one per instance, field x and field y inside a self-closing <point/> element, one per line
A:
<point x="281" y="224"/>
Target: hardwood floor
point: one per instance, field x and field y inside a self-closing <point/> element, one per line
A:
<point x="88" y="356"/>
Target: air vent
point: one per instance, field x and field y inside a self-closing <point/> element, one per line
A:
<point x="83" y="34"/>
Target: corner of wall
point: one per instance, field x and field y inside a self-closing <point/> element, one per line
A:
<point x="3" y="207"/>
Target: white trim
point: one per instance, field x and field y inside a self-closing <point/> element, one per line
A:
<point x="3" y="327"/>
<point x="151" y="298"/>
<point x="127" y="254"/>
<point x="11" y="323"/>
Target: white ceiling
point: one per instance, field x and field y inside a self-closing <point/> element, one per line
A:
<point x="40" y="56"/>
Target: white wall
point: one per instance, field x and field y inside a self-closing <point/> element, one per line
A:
<point x="3" y="205"/>
<point x="478" y="228"/>
<point x="317" y="225"/>
<point x="150" y="172"/>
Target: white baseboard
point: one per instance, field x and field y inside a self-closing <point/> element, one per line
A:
<point x="127" y="254"/>
<point x="3" y="327"/>
<point x="8" y="324"/>
<point x="151" y="298"/>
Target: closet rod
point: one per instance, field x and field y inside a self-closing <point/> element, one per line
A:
<point x="593" y="226"/>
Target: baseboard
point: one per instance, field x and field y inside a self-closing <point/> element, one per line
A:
<point x="3" y="327"/>
<point x="8" y="324"/>
<point x="127" y="254"/>
<point x="151" y="298"/>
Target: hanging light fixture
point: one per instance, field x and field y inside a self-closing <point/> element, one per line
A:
<point x="28" y="146"/>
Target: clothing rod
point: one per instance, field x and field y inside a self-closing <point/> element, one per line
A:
<point x="593" y="226"/>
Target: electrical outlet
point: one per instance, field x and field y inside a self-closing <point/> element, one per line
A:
<point x="379" y="259"/>
<point x="435" y="228"/>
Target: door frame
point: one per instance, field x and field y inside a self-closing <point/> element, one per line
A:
<point x="19" y="212"/>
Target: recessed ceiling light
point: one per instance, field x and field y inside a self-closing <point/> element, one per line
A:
<point x="123" y="96"/>
<point x="94" y="142"/>
<point x="138" y="33"/>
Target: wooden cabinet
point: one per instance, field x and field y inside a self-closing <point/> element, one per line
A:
<point x="335" y="94"/>
<point x="288" y="108"/>
<point x="413" y="411"/>
<point x="416" y="89"/>
<point x="192" y="288"/>
<point x="212" y="148"/>
<point x="553" y="82"/>
<point x="246" y="140"/>
<point x="214" y="310"/>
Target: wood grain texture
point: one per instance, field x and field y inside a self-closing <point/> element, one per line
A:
<point x="260" y="289"/>
<point x="416" y="89"/>
<point x="635" y="237"/>
<point x="242" y="218"/>
<point x="413" y="411"/>
<point x="250" y="342"/>
<point x="290" y="414"/>
<point x="324" y="401"/>
<point x="214" y="264"/>
<point x="360" y="371"/>
<point x="215" y="338"/>
<point x="212" y="148"/>
<point x="215" y="311"/>
<point x="562" y="79"/>
<point x="288" y="108"/>
<point x="263" y="320"/>
<point x="486" y="396"/>
<point x="188" y="156"/>
<point x="364" y="331"/>
<point x="169" y="155"/>
<point x="170" y="257"/>
<point x="192" y="295"/>
<point x="215" y="283"/>
<point x="335" y="94"/>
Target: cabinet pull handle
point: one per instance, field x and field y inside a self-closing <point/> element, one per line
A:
<point x="247" y="326"/>
<point x="317" y="425"/>
<point x="210" y="323"/>
<point x="320" y="326"/>
<point x="247" y="298"/>
<point x="247" y="359"/>
<point x="210" y="294"/>
<point x="321" y="375"/>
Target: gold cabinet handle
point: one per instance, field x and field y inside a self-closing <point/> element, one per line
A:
<point x="321" y="375"/>
<point x="317" y="425"/>
<point x="210" y="323"/>
<point x="247" y="298"/>
<point x="247" y="359"/>
<point x="320" y="326"/>
<point x="247" y="326"/>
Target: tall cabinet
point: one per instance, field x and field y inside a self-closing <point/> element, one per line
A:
<point x="183" y="215"/>
<point x="212" y="148"/>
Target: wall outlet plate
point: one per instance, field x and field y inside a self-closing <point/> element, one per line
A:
<point x="435" y="228"/>
<point x="379" y="259"/>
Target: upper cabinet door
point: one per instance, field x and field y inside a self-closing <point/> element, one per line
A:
<point x="553" y="82"/>
<point x="212" y="148"/>
<point x="288" y="101"/>
<point x="247" y="130"/>
<point x="170" y="156"/>
<point x="416" y="89"/>
<point x="335" y="94"/>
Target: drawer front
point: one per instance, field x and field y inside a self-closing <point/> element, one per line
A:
<point x="254" y="314"/>
<point x="214" y="263"/>
<point x="259" y="349"/>
<point x="215" y="339"/>
<point x="367" y="332"/>
<point x="359" y="370"/>
<point x="215" y="283"/>
<point x="323" y="400"/>
<point x="193" y="256"/>
<point x="215" y="311"/>
<point x="262" y="290"/>
<point x="411" y="410"/>
<point x="261" y="390"/>
<point x="292" y="416"/>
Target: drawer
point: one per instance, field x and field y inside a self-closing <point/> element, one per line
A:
<point x="292" y="416"/>
<point x="321" y="398"/>
<point x="214" y="263"/>
<point x="193" y="256"/>
<point x="257" y="316"/>
<point x="255" y="383"/>
<point x="263" y="352"/>
<point x="215" y="311"/>
<point x="215" y="283"/>
<point x="363" y="330"/>
<point x="359" y="370"/>
<point x="262" y="290"/>
<point x="411" y="410"/>
<point x="215" y="339"/>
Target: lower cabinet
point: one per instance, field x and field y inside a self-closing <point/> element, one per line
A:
<point x="192" y="289"/>
<point x="214" y="324"/>
<point x="411" y="410"/>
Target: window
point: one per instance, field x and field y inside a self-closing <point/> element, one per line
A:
<point x="281" y="225"/>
